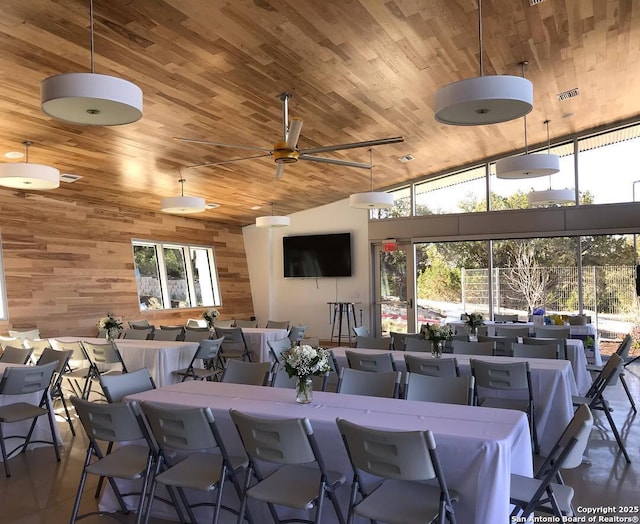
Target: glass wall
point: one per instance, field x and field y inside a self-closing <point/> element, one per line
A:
<point x="462" y="192"/>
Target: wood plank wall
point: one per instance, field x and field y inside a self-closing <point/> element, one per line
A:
<point x="67" y="263"/>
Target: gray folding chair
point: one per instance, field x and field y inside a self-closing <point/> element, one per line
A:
<point x="502" y="344"/>
<point x="241" y="324"/>
<point x="178" y="431"/>
<point x="117" y="387"/>
<point x="549" y="350"/>
<point x="361" y="331"/>
<point x="434" y="367"/>
<point x="512" y="331"/>
<point x="15" y="355"/>
<point x="540" y="493"/>
<point x="404" y="461"/>
<point x="553" y="332"/>
<point x="374" y="342"/>
<point x="399" y="339"/>
<point x="447" y="390"/>
<point x="78" y="370"/>
<point x="417" y="344"/>
<point x="234" y="345"/>
<point x="378" y="362"/>
<point x="37" y="347"/>
<point x="196" y="334"/>
<point x="105" y="359"/>
<point x="226" y="323"/>
<point x="113" y="423"/>
<point x="505" y="318"/>
<point x="24" y="380"/>
<point x="61" y="358"/>
<point x="140" y="324"/>
<point x="249" y="373"/>
<point x="169" y="333"/>
<point x="277" y="324"/>
<point x="296" y="333"/>
<point x="356" y="382"/>
<point x="209" y="353"/>
<point x="461" y="347"/>
<point x="276" y="349"/>
<point x="500" y="377"/>
<point x="301" y="480"/>
<point x="138" y="333"/>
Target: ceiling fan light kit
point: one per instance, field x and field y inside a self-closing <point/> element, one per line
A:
<point x="182" y="205"/>
<point x="90" y="98"/>
<point x="24" y="175"/>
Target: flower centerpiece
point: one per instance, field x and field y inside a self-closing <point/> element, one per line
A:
<point x="474" y="321"/>
<point x="112" y="326"/>
<point x="437" y="334"/>
<point x="304" y="362"/>
<point x="210" y="316"/>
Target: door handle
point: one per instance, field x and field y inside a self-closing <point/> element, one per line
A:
<point x="410" y="303"/>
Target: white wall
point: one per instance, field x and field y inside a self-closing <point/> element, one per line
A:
<point x="304" y="300"/>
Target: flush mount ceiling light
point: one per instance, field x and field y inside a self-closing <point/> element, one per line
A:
<point x="372" y="199"/>
<point x="182" y="205"/>
<point x="528" y="166"/>
<point x="90" y="98"/>
<point x="484" y="99"/>
<point x="273" y="220"/>
<point x="23" y="175"/>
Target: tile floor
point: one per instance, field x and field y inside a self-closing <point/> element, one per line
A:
<point x="42" y="491"/>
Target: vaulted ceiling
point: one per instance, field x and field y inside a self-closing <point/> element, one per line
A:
<point x="357" y="70"/>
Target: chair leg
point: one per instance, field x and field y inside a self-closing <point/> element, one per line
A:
<point x="66" y="411"/>
<point x="626" y="390"/>
<point x="336" y="505"/>
<point x="320" y="502"/>
<point x="615" y="430"/>
<point x="5" y="459"/>
<point x="83" y="479"/>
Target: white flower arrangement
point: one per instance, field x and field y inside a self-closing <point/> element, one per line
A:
<point x="210" y="316"/>
<point x="111" y="324"/>
<point x="306" y="361"/>
<point x="437" y="333"/>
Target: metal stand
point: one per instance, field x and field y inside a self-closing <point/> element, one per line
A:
<point x="342" y="311"/>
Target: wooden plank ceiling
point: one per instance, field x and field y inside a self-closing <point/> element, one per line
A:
<point x="357" y="69"/>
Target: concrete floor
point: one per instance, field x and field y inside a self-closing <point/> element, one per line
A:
<point x="42" y="490"/>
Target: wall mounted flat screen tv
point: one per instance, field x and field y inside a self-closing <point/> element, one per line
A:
<point x="317" y="255"/>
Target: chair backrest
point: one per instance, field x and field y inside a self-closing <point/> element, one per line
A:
<point x="139" y="324"/>
<point x="115" y="422"/>
<point x="37" y="347"/>
<point x="208" y="349"/>
<point x="10" y="341"/>
<point x="280" y="441"/>
<point x="578" y="430"/>
<point x="277" y="324"/>
<point x="361" y="331"/>
<point x="169" y="334"/>
<point x="462" y="347"/>
<point x="53" y="355"/>
<point x="196" y="322"/>
<point x="78" y="354"/>
<point x="447" y="390"/>
<point x="250" y="373"/>
<point x="277" y="347"/>
<point x="463" y="329"/>
<point x="118" y="386"/>
<point x="228" y="323"/>
<point x="15" y="355"/>
<point x="196" y="334"/>
<point x="552" y="331"/>
<point x="417" y="344"/>
<point x="369" y="450"/>
<point x="182" y="428"/>
<point x="512" y="331"/>
<point x="434" y="367"/>
<point x="138" y="333"/>
<point x="241" y="324"/>
<point x="502" y="344"/>
<point x="296" y="333"/>
<point x="232" y="335"/>
<point x="106" y="353"/>
<point x="23" y="335"/>
<point x="560" y="343"/>
<point x="608" y="375"/>
<point x="505" y="318"/>
<point x="356" y="382"/>
<point x="399" y="339"/>
<point x="625" y="346"/>
<point x="280" y="379"/>
<point x="22" y="380"/>
<point x="535" y="350"/>
<point x="377" y="362"/>
<point x="498" y="375"/>
<point x="374" y="342"/>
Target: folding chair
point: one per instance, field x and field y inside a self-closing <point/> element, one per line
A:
<point x="78" y="370"/>
<point x="169" y="333"/>
<point x="249" y="373"/>
<point x="242" y="324"/>
<point x="196" y="334"/>
<point x="403" y="461"/>
<point x="37" y="347"/>
<point x="503" y="344"/>
<point x="277" y="324"/>
<point x="417" y="344"/>
<point x="462" y="347"/>
<point x="234" y="345"/>
<point x="447" y="390"/>
<point x="208" y="351"/>
<point x="374" y="342"/>
<point x="117" y="387"/>
<point x="378" y="362"/>
<point x="301" y="480"/>
<point x="23" y="380"/>
<point x="55" y="388"/>
<point x="104" y="359"/>
<point x="435" y="367"/>
<point x="561" y="344"/>
<point x="296" y="334"/>
<point x="356" y="382"/>
<point x="14" y="355"/>
<point x="276" y="349"/>
<point x="138" y="333"/>
<point x="549" y="350"/>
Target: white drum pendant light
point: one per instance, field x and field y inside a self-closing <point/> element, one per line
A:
<point x="90" y="98"/>
<point x="485" y="99"/>
<point x="182" y="205"/>
<point x="372" y="199"/>
<point x="273" y="220"/>
<point x="528" y="166"/>
<point x="23" y="175"/>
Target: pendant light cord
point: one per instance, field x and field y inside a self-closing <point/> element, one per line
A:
<point x="371" y="167"/>
<point x="91" y="31"/>
<point x="27" y="143"/>
<point x="524" y="64"/>
<point x="480" y="35"/>
<point x="182" y="181"/>
<point x="546" y="123"/>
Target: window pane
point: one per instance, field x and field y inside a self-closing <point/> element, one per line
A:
<point x="203" y="277"/>
<point x="147" y="276"/>
<point x="462" y="192"/>
<point x="177" y="277"/>
<point x="401" y="205"/>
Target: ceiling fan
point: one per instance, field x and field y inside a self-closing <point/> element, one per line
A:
<point x="287" y="151"/>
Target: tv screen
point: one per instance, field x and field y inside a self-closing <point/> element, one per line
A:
<point x="317" y="255"/>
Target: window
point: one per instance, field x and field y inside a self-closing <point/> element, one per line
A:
<point x="171" y="276"/>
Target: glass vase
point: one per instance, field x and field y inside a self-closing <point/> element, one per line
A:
<point x="437" y="347"/>
<point x="304" y="390"/>
<point x="473" y="333"/>
<point x="112" y="334"/>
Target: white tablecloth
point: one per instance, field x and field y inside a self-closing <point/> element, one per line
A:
<point x="552" y="381"/>
<point x="40" y="432"/>
<point x="576" y="355"/>
<point x="257" y="341"/>
<point x="478" y="447"/>
<point x="160" y="357"/>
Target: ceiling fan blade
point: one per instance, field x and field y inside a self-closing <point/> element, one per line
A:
<point x="220" y="144"/>
<point x="354" y="145"/>
<point x="335" y="161"/>
<point x="207" y="164"/>
<point x="294" y="133"/>
<point x="279" y="171"/>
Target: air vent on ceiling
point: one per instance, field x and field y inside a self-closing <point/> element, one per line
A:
<point x="406" y="158"/>
<point x="69" y="178"/>
<point x="212" y="205"/>
<point x="535" y="2"/>
<point x="570" y="93"/>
